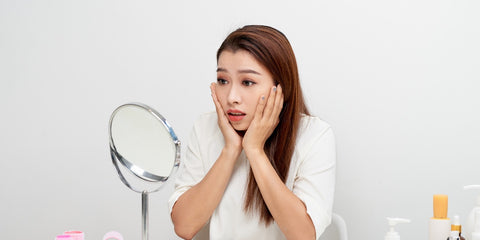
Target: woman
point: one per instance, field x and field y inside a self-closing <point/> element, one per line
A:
<point x="259" y="167"/>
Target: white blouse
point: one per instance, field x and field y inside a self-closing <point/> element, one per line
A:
<point x="311" y="178"/>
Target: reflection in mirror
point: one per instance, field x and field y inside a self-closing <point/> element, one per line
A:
<point x="144" y="150"/>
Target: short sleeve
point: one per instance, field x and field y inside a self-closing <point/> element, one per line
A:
<point x="314" y="182"/>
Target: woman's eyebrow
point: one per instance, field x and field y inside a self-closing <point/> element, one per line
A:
<point x="221" y="69"/>
<point x="249" y="71"/>
<point x="239" y="71"/>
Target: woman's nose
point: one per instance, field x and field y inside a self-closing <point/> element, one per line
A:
<point x="234" y="96"/>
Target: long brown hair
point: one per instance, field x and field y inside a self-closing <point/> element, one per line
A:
<point x="272" y="49"/>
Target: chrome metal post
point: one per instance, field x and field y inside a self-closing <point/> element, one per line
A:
<point x="144" y="215"/>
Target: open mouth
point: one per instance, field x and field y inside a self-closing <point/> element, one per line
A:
<point x="235" y="115"/>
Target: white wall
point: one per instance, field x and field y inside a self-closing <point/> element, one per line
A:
<point x="397" y="80"/>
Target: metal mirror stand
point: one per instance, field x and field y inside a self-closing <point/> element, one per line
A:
<point x="132" y="175"/>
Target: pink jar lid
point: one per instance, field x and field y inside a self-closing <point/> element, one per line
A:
<point x="76" y="235"/>
<point x="113" y="235"/>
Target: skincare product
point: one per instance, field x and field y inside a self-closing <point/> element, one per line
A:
<point x="76" y="235"/>
<point x="64" y="237"/>
<point x="113" y="235"/>
<point x="392" y="234"/>
<point x="453" y="236"/>
<point x="467" y="231"/>
<point x="476" y="226"/>
<point x="439" y="225"/>
<point x="456" y="229"/>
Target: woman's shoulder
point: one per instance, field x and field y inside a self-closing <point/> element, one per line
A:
<point x="313" y="123"/>
<point x="314" y="133"/>
<point x="312" y="129"/>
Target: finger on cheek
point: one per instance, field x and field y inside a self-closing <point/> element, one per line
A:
<point x="260" y="107"/>
<point x="279" y="88"/>
<point x="262" y="101"/>
<point x="279" y="92"/>
<point x="272" y="93"/>
<point x="213" y="89"/>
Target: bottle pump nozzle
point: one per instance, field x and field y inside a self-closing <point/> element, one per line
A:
<point x="392" y="234"/>
<point x="469" y="187"/>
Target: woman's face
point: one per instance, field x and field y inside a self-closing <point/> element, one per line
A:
<point x="241" y="82"/>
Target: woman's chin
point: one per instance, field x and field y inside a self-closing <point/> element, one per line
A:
<point x="239" y="127"/>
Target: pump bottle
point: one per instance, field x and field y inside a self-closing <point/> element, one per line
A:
<point x="469" y="223"/>
<point x="476" y="226"/>
<point x="392" y="234"/>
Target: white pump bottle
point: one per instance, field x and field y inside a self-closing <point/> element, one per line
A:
<point x="470" y="222"/>
<point x="476" y="226"/>
<point x="392" y="234"/>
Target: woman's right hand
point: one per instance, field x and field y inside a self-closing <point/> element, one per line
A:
<point x="195" y="207"/>
<point x="233" y="141"/>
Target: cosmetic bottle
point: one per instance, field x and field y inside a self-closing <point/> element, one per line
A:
<point x="392" y="234"/>
<point x="453" y="236"/>
<point x="456" y="229"/>
<point x="439" y="225"/>
<point x="467" y="231"/>
<point x="476" y="226"/>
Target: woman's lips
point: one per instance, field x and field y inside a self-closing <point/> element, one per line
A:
<point x="235" y="115"/>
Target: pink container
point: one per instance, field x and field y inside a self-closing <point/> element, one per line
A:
<point x="76" y="235"/>
<point x="113" y="235"/>
<point x="64" y="237"/>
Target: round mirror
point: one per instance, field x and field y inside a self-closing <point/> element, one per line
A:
<point x="144" y="150"/>
<point x="143" y="141"/>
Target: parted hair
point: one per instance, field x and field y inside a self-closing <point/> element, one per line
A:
<point x="272" y="49"/>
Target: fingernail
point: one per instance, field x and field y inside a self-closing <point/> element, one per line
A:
<point x="263" y="97"/>
<point x="275" y="89"/>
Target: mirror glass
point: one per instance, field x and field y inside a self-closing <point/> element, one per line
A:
<point x="143" y="142"/>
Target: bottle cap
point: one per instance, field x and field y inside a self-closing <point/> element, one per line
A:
<point x="76" y="235"/>
<point x="456" y="224"/>
<point x="113" y="235"/>
<point x="440" y="206"/>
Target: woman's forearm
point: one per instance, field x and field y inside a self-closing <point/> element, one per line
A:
<point x="288" y="211"/>
<point x="193" y="209"/>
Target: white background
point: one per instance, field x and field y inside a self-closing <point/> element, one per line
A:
<point x="397" y="80"/>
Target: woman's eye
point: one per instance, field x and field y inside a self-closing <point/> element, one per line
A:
<point x="248" y="83"/>
<point x="221" y="81"/>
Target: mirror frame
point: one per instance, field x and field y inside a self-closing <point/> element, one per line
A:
<point x="139" y="172"/>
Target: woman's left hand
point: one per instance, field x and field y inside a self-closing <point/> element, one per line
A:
<point x="265" y="121"/>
